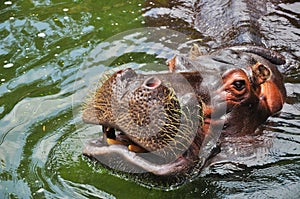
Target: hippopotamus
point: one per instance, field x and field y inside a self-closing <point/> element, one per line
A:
<point x="160" y="123"/>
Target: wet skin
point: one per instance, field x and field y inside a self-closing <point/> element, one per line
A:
<point x="158" y="123"/>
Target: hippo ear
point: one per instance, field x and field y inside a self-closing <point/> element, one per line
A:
<point x="260" y="73"/>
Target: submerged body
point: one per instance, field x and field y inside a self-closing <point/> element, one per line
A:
<point x="160" y="123"/>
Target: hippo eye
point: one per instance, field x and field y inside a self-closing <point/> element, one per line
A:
<point x="239" y="84"/>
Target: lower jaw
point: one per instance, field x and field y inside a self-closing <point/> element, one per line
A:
<point x="140" y="168"/>
<point x="118" y="157"/>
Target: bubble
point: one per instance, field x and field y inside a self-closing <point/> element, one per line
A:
<point x="42" y="35"/>
<point x="7" y="3"/>
<point x="9" y="65"/>
<point x="40" y="190"/>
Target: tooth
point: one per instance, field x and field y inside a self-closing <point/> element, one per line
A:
<point x="112" y="141"/>
<point x="136" y="149"/>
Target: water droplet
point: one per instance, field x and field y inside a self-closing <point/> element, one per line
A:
<point x="34" y="14"/>
<point x="41" y="34"/>
<point x="9" y="65"/>
<point x="40" y="190"/>
<point x="7" y="3"/>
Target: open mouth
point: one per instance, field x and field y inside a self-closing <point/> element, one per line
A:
<point x="117" y="151"/>
<point x="115" y="137"/>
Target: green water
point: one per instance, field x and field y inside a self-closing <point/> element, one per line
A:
<point x="44" y="76"/>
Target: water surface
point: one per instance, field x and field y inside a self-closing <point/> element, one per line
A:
<point x="45" y="72"/>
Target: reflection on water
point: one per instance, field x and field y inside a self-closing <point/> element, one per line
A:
<point x="43" y="47"/>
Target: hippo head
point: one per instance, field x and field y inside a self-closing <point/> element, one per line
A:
<point x="158" y="123"/>
<point x="251" y="85"/>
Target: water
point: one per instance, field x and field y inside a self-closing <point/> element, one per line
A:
<point x="45" y="74"/>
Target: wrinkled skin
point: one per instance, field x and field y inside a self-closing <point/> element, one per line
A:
<point x="158" y="123"/>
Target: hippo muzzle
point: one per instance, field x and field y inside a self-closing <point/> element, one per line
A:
<point x="149" y="121"/>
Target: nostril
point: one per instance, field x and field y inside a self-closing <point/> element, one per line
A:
<point x="152" y="83"/>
